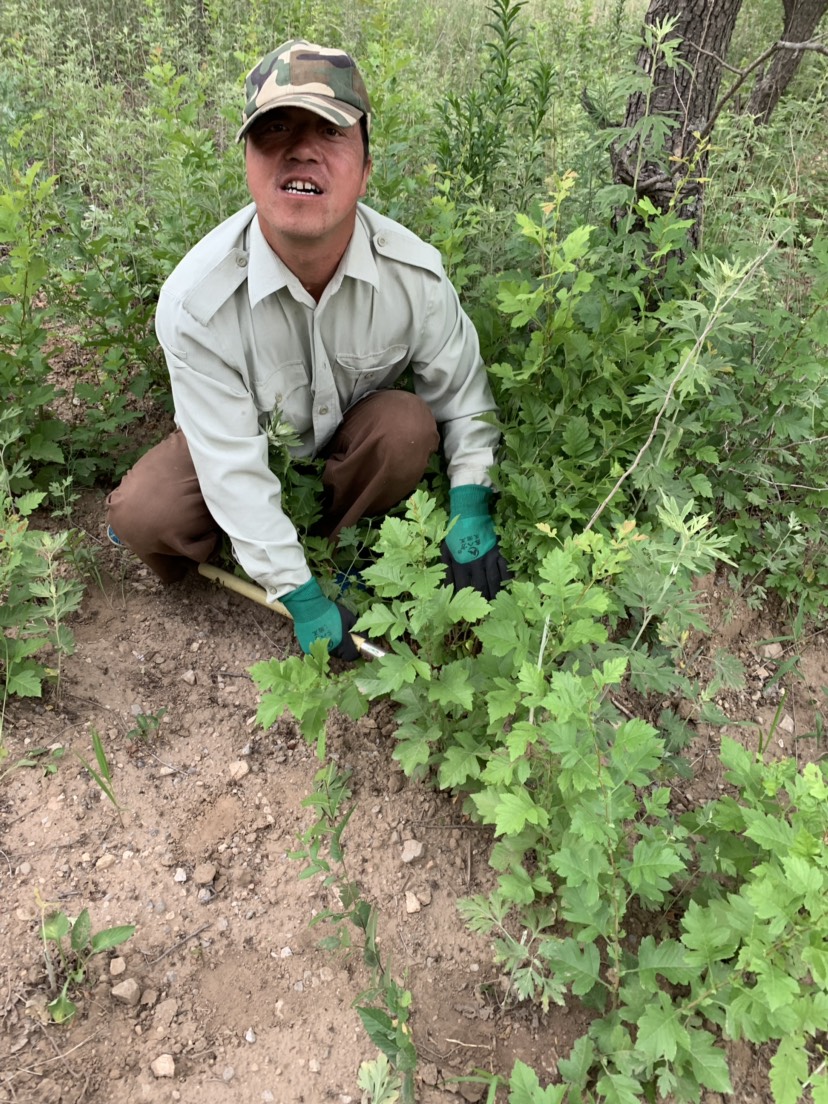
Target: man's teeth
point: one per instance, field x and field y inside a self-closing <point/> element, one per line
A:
<point x="302" y="186"/>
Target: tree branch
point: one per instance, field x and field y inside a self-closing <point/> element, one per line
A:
<point x="813" y="44"/>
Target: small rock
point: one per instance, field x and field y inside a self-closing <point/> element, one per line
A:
<point x="165" y="1013"/>
<point x="429" y="1073"/>
<point x="326" y="974"/>
<point x="412" y="902"/>
<point x="204" y="873"/>
<point x="250" y="1035"/>
<point x="127" y="992"/>
<point x="425" y="895"/>
<point x="772" y="651"/>
<point x="285" y="952"/>
<point x="239" y="769"/>
<point x="104" y="862"/>
<point x="472" y="1093"/>
<point x="228" y="1074"/>
<point x="205" y="895"/>
<point x="787" y="724"/>
<point x="314" y="1066"/>
<point x="25" y="869"/>
<point x="268" y="1097"/>
<point x="163" y="1066"/>
<point x="412" y="849"/>
<point x="189" y="677"/>
<point x="166" y="772"/>
<point x="180" y="875"/>
<point x="117" y="967"/>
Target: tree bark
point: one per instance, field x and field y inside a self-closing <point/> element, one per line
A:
<point x="671" y="175"/>
<point x="801" y="19"/>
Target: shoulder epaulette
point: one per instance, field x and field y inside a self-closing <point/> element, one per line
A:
<point x="407" y="249"/>
<point x="216" y="287"/>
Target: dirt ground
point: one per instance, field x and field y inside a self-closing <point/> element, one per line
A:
<point x="223" y="975"/>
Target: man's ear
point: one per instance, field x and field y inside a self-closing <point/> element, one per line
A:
<point x="369" y="164"/>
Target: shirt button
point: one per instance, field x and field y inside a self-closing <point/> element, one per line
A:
<point x="382" y="240"/>
<point x="241" y="261"/>
<point x="323" y="410"/>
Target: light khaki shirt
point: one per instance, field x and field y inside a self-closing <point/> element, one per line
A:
<point x="243" y="339"/>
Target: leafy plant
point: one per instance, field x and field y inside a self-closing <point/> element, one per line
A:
<point x="146" y="725"/>
<point x="45" y="758"/>
<point x="512" y="703"/>
<point x="37" y="597"/>
<point x="68" y="945"/>
<point x="386" y="1022"/>
<point x="102" y="777"/>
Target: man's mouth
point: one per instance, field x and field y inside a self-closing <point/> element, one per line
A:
<point x="301" y="187"/>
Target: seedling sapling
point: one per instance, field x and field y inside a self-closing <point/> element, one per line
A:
<point x="67" y="965"/>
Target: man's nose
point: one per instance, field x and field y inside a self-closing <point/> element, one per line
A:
<point x="303" y="144"/>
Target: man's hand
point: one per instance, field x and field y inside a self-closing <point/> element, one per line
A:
<point x="316" y="617"/>
<point x="470" y="551"/>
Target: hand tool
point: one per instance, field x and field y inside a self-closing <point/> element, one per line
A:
<point x="258" y="594"/>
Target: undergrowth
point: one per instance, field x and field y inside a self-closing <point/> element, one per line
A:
<point x="662" y="413"/>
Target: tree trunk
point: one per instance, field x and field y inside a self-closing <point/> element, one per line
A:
<point x="671" y="173"/>
<point x="801" y="19"/>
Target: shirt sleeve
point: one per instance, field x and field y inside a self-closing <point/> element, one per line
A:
<point x="229" y="450"/>
<point x="450" y="376"/>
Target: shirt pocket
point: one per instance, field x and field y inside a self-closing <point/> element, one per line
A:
<point x="287" y="391"/>
<point x="359" y="374"/>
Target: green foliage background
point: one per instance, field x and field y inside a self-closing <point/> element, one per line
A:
<point x="661" y="411"/>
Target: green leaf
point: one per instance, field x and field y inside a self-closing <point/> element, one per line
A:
<point x="56" y="926"/>
<point x="653" y="864"/>
<point x="617" y="1088"/>
<point x="819" y="1089"/>
<point x="458" y="766"/>
<point x="666" y="958"/>
<point x="525" y="1088"/>
<point x="708" y="1062"/>
<point x="575" y="1069"/>
<point x="26" y="682"/>
<point x="514" y="810"/>
<point x="789" y="1069"/>
<point x="659" y="1032"/>
<point x="81" y="931"/>
<point x="111" y="937"/>
<point x="635" y="753"/>
<point x="62" y="1009"/>
<point x="380" y="1030"/>
<point x="580" y="965"/>
<point x="771" y="832"/>
<point x="452" y="686"/>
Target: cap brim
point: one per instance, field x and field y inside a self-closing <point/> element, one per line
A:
<point x="335" y="111"/>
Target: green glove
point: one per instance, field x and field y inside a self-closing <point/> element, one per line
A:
<point x="470" y="551"/>
<point x="473" y="534"/>
<point x="316" y="617"/>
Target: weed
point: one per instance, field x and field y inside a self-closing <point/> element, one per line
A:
<point x="102" y="777"/>
<point x="48" y="759"/>
<point x="386" y="1023"/>
<point x="68" y="945"/>
<point x="37" y="597"/>
<point x="146" y="726"/>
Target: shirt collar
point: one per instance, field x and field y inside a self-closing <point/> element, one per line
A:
<point x="267" y="273"/>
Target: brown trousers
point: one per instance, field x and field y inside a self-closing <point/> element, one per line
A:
<point x="374" y="460"/>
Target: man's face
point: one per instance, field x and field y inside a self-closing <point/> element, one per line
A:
<point x="305" y="176"/>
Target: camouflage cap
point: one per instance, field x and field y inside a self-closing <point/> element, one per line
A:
<point x="302" y="74"/>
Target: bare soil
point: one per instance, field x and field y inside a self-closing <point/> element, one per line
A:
<point x="228" y="979"/>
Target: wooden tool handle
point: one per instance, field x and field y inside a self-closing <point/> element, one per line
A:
<point x="257" y="594"/>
